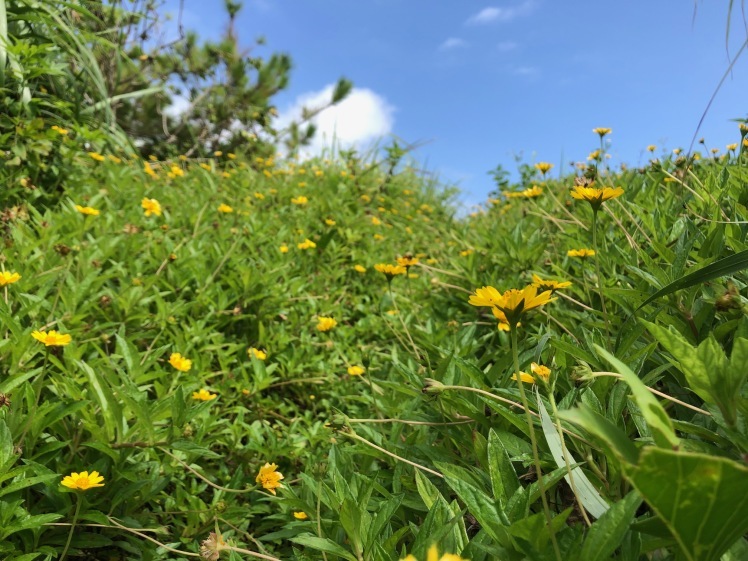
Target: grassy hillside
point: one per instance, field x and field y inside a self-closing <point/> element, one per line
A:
<point x="229" y="320"/>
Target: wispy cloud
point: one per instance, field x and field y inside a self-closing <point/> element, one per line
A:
<point x="506" y="46"/>
<point x="494" y="14"/>
<point x="526" y="71"/>
<point x="453" y="43"/>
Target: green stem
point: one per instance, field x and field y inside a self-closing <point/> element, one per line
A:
<point x="599" y="276"/>
<point x="533" y="441"/>
<point x="72" y="527"/>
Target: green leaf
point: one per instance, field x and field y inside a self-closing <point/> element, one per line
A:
<point x="656" y="417"/>
<point x="702" y="499"/>
<point x="323" y="544"/>
<point x="587" y="493"/>
<point x="504" y="479"/>
<point x="605" y="535"/>
<point x="613" y="438"/>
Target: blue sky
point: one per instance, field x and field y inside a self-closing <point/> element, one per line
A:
<point x="480" y="82"/>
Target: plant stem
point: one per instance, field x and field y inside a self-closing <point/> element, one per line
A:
<point x="72" y="527"/>
<point x="533" y="441"/>
<point x="599" y="276"/>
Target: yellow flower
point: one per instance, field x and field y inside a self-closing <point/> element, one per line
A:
<point x="83" y="480"/>
<point x="407" y="261"/>
<point x="543" y="167"/>
<point x="205" y="166"/>
<point x="503" y="322"/>
<point x="175" y="171"/>
<point x="356" y="370"/>
<point x="306" y="244"/>
<point x="151" y="206"/>
<point x="329" y="222"/>
<point x="300" y="200"/>
<point x="179" y="362"/>
<point x="203" y="395"/>
<point x="225" y="208"/>
<point x="551" y="285"/>
<point x="302" y="184"/>
<point x="532" y="192"/>
<point x="513" y="303"/>
<point x="114" y="158"/>
<point x="375" y="221"/>
<point x="732" y="147"/>
<point x="594" y="155"/>
<point x="525" y="377"/>
<point x="378" y="237"/>
<point x="325" y="323"/>
<point x="231" y="156"/>
<point x="269" y="478"/>
<point x="596" y="197"/>
<point x="283" y="248"/>
<point x="602" y="131"/>
<point x="390" y="271"/>
<point x="359" y="269"/>
<point x="218" y="153"/>
<point x="149" y="170"/>
<point x="581" y="253"/>
<point x="96" y="156"/>
<point x="259" y="196"/>
<point x="366" y="198"/>
<point x="433" y="555"/>
<point x="52" y="338"/>
<point x="6" y="278"/>
<point x="87" y="210"/>
<point x="651" y="148"/>
<point x="677" y="151"/>
<point x="540" y="371"/>
<point x="152" y="158"/>
<point x="466" y="252"/>
<point x="300" y="515"/>
<point x="183" y="158"/>
<point x="59" y="130"/>
<point x="257" y="353"/>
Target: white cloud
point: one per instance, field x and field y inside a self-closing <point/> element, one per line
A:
<point x="506" y="46"/>
<point x="492" y="14"/>
<point x="179" y="104"/>
<point x="358" y="121"/>
<point x="526" y="71"/>
<point x="453" y="43"/>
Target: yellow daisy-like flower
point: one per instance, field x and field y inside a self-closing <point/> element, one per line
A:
<point x="466" y="252"/>
<point x="96" y="156"/>
<point x="732" y="147"/>
<point x="651" y="148"/>
<point x="231" y="156"/>
<point x="375" y="221"/>
<point x="52" y="338"/>
<point x="59" y="130"/>
<point x="175" y="171"/>
<point x="524" y="377"/>
<point x="179" y="362"/>
<point x="378" y="237"/>
<point x="151" y="206"/>
<point x="300" y="515"/>
<point x="359" y="269"/>
<point x="356" y="370"/>
<point x="532" y="192"/>
<point x="503" y="322"/>
<point x="329" y="222"/>
<point x="6" y="278"/>
<point x="218" y="153"/>
<point x="149" y="170"/>
<point x="513" y="303"/>
<point x="205" y="166"/>
<point x="87" y="210"/>
<point x="595" y="155"/>
<point x="325" y="323"/>
<point x="543" y="167"/>
<point x="407" y="261"/>
<point x="225" y="208"/>
<point x="541" y="371"/>
<point x="269" y="478"/>
<point x="543" y="284"/>
<point x="596" y="197"/>
<point x="203" y="395"/>
<point x="82" y="481"/>
<point x="257" y="353"/>
<point x="602" y="131"/>
<point x="300" y="200"/>
<point x="390" y="271"/>
<point x="306" y="244"/>
<point x="283" y="248"/>
<point x="433" y="555"/>
<point x="581" y="253"/>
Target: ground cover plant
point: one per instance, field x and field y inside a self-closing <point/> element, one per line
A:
<point x="233" y="355"/>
